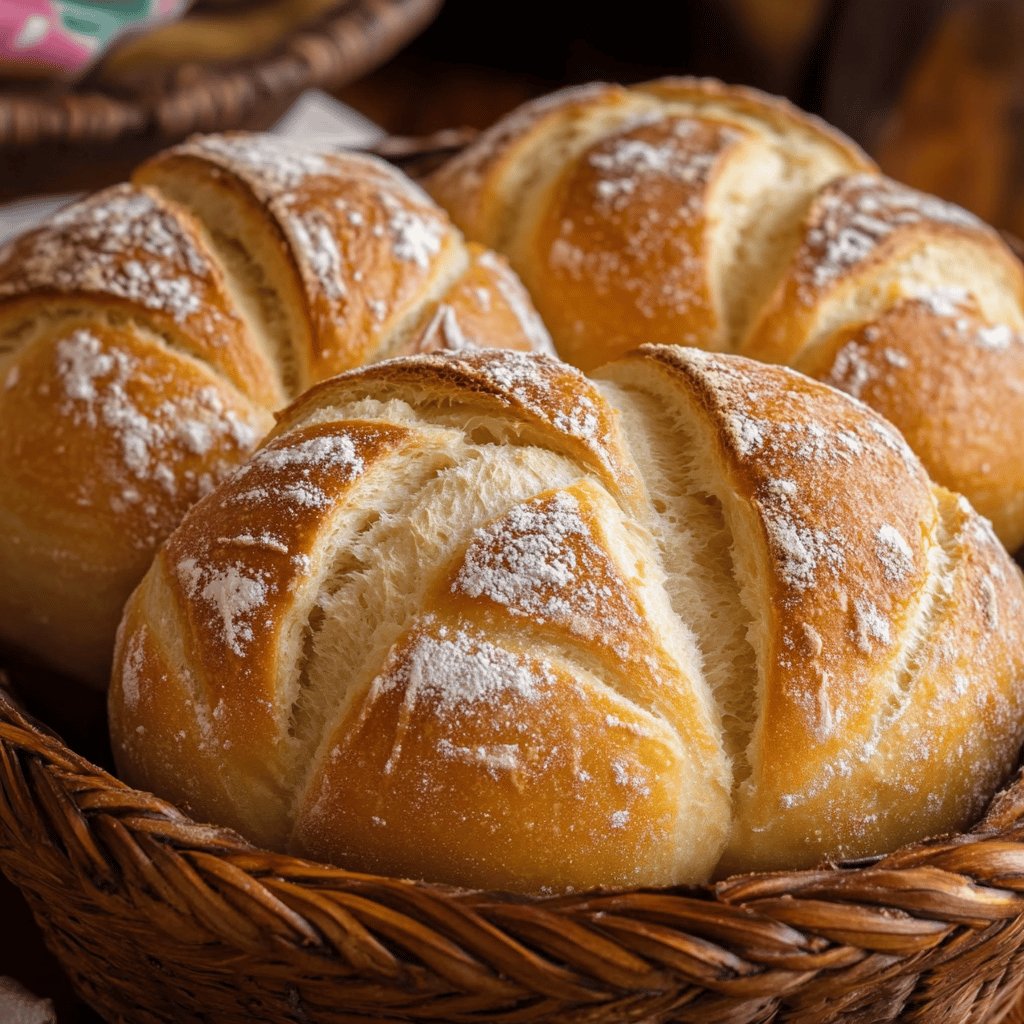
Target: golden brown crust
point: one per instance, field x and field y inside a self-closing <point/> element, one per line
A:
<point x="619" y="797"/>
<point x="234" y="588"/>
<point x="562" y="406"/>
<point x="838" y="518"/>
<point x="158" y="686"/>
<point x="495" y="674"/>
<point x="469" y="185"/>
<point x="885" y="359"/>
<point x="859" y="228"/>
<point x="947" y="739"/>
<point x="744" y="101"/>
<point x="486" y="307"/>
<point x="128" y="252"/>
<point x="359" y="244"/>
<point x="154" y="429"/>
<point x="602" y="272"/>
<point x="244" y="267"/>
<point x="686" y="211"/>
<point x="507" y="832"/>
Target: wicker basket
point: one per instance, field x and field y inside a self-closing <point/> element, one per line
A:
<point x="339" y="47"/>
<point x="157" y="918"/>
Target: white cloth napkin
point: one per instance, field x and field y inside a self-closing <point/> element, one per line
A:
<point x="314" y="117"/>
<point x="19" y="1006"/>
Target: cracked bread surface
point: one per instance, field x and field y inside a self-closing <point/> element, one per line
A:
<point x="685" y="211"/>
<point x="485" y="629"/>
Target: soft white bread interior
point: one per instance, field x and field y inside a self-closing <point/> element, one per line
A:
<point x="148" y="332"/>
<point x="687" y="212"/>
<point x="474" y="618"/>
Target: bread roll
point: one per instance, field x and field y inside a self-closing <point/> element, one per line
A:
<point x="478" y="619"/>
<point x="147" y="333"/>
<point x="684" y="211"/>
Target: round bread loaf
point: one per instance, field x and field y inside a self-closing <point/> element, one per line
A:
<point x="687" y="212"/>
<point x="478" y="619"/>
<point x="147" y="333"/>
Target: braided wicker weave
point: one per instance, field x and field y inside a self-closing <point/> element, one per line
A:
<point x="341" y="46"/>
<point x="157" y="918"/>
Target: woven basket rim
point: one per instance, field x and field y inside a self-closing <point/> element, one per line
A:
<point x="759" y="938"/>
<point x="1003" y="817"/>
<point x="332" y="50"/>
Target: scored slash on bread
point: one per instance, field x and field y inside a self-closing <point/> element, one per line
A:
<point x="683" y="211"/>
<point x="148" y="332"/>
<point x="343" y="251"/>
<point x="475" y="618"/>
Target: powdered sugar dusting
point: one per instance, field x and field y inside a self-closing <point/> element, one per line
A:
<point x="808" y="547"/>
<point x="632" y="202"/>
<point x="685" y="151"/>
<point x="416" y="237"/>
<point x="525" y="377"/>
<point x="960" y="314"/>
<point x="231" y="595"/>
<point x="895" y="554"/>
<point x="334" y="451"/>
<point x="870" y="626"/>
<point x="553" y="391"/>
<point x="271" y="165"/>
<point x="81" y="362"/>
<point x="97" y="382"/>
<point x="279" y="173"/>
<point x="540" y="560"/>
<point x="871" y="356"/>
<point x="523" y="555"/>
<point x="746" y="432"/>
<point x="997" y="337"/>
<point x="802" y="550"/>
<point x="122" y="242"/>
<point x="854" y="215"/>
<point x="458" y="668"/>
<point x="305" y="189"/>
<point x="313" y="236"/>
<point x="946" y="301"/>
<point x="851" y="371"/>
<point x="496" y="758"/>
<point x="292" y="464"/>
<point x="131" y="668"/>
<point x="892" y="439"/>
<point x="233" y="570"/>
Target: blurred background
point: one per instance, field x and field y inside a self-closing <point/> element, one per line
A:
<point x="933" y="89"/>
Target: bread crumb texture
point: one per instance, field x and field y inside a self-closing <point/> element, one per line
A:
<point x="475" y="618"/>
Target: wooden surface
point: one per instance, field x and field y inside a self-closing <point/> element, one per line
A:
<point x="934" y="89"/>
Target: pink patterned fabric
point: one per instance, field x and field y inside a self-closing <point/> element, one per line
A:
<point x="66" y="36"/>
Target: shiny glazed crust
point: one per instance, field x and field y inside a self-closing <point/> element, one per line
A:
<point x="148" y="332"/>
<point x="475" y="618"/>
<point x="687" y="212"/>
